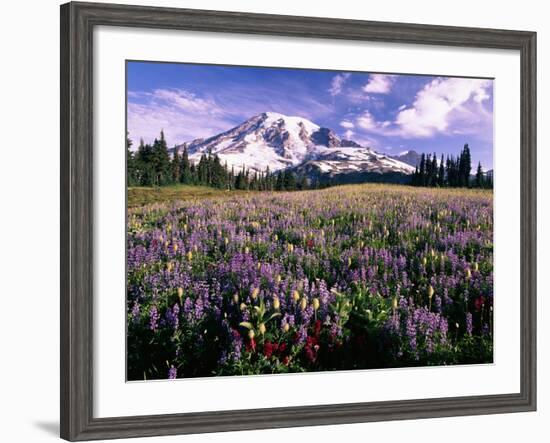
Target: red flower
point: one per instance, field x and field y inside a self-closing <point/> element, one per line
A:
<point x="251" y="345"/>
<point x="286" y="360"/>
<point x="317" y="328"/>
<point x="311" y="341"/>
<point x="268" y="349"/>
<point x="310" y="243"/>
<point x="310" y="354"/>
<point x="282" y="347"/>
<point x="479" y="303"/>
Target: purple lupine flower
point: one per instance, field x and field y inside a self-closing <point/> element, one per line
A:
<point x="172" y="316"/>
<point x="469" y="326"/>
<point x="172" y="373"/>
<point x="153" y="318"/>
<point x="135" y="312"/>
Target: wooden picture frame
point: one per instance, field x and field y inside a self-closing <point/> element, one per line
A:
<point x="77" y="23"/>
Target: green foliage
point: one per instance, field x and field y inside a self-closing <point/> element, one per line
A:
<point x="453" y="172"/>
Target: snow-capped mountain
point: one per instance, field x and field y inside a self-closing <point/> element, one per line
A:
<point x="410" y="157"/>
<point x="334" y="161"/>
<point x="276" y="141"/>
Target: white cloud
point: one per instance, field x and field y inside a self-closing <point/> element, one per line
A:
<point x="337" y="83"/>
<point x="184" y="100"/>
<point x="441" y="104"/>
<point x="181" y="114"/>
<point x="370" y="124"/>
<point x="367" y="121"/>
<point x="379" y="84"/>
<point x="347" y="124"/>
<point x="349" y="134"/>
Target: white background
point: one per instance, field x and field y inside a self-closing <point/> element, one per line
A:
<point x="113" y="397"/>
<point x="30" y="222"/>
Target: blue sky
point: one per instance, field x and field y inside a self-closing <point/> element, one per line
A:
<point x="390" y="113"/>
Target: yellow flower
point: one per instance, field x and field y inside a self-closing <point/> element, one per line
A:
<point x="295" y="295"/>
<point x="303" y="304"/>
<point x="175" y="247"/>
<point x="315" y="303"/>
<point x="476" y="267"/>
<point x="276" y="303"/>
<point x="251" y="334"/>
<point x="258" y="266"/>
<point x="169" y="266"/>
<point x="246" y="250"/>
<point x="349" y="261"/>
<point x="226" y="241"/>
<point x="468" y="274"/>
<point x="286" y="327"/>
<point x="242" y="306"/>
<point x="275" y="237"/>
<point x="278" y="279"/>
<point x="290" y="248"/>
<point x="255" y="293"/>
<point x="430" y="291"/>
<point x="189" y="255"/>
<point x="180" y="293"/>
<point x="424" y="261"/>
<point x="394" y="303"/>
<point x="261" y="328"/>
<point x="236" y="298"/>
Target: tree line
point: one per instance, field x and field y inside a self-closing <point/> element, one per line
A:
<point x="451" y="171"/>
<point x="152" y="165"/>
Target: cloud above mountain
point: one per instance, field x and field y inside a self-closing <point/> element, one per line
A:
<point x="379" y="84"/>
<point x="446" y="104"/>
<point x="337" y="83"/>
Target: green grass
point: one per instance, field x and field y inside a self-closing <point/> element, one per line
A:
<point x="141" y="195"/>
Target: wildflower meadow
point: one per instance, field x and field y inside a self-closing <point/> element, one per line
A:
<point x="350" y="277"/>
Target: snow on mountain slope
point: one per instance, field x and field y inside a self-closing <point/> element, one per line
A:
<point x="265" y="140"/>
<point x="345" y="160"/>
<point x="410" y="157"/>
<point x="276" y="141"/>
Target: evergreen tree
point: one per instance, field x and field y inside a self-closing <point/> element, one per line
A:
<point x="176" y="166"/>
<point x="441" y="173"/>
<point x="161" y="162"/>
<point x="185" y="168"/>
<point x="422" y="171"/>
<point x="146" y="174"/>
<point x="479" y="176"/>
<point x="279" y="183"/>
<point x="131" y="164"/>
<point x="433" y="171"/>
<point x="289" y="180"/>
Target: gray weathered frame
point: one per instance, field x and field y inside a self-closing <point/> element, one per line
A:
<point x="77" y="24"/>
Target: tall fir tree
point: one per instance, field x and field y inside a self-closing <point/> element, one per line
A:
<point x="441" y="173"/>
<point x="176" y="166"/>
<point x="479" y="176"/>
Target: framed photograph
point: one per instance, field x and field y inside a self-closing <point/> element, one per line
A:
<point x="272" y="221"/>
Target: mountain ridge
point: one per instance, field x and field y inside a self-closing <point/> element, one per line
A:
<point x="276" y="142"/>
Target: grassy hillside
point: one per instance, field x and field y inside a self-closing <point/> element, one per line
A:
<point x="138" y="196"/>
